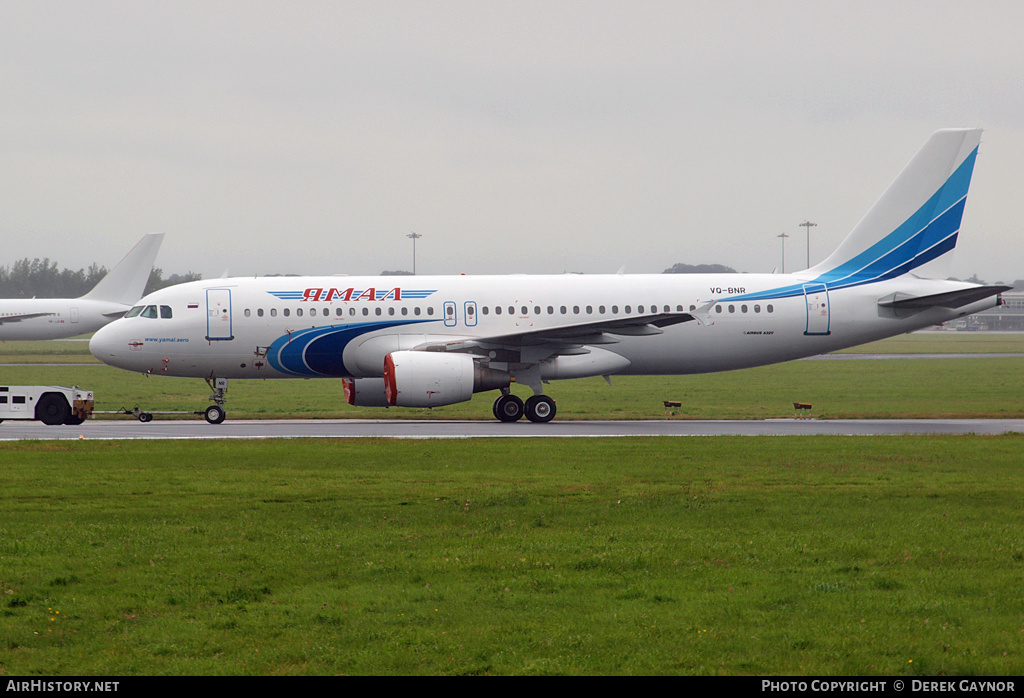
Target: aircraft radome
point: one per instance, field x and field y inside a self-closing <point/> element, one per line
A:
<point x="112" y="297"/>
<point x="425" y="341"/>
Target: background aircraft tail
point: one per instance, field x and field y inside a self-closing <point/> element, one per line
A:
<point x="913" y="227"/>
<point x="126" y="282"/>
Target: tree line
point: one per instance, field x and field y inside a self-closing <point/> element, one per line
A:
<point x="41" y="278"/>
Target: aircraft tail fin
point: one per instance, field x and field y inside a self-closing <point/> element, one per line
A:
<point x="126" y="282"/>
<point x="913" y="227"/>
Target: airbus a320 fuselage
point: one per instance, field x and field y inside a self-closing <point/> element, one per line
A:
<point x="427" y="341"/>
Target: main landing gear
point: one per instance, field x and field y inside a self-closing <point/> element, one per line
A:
<point x="538" y="408"/>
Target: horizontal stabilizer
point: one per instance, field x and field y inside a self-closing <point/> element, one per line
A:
<point x="951" y="299"/>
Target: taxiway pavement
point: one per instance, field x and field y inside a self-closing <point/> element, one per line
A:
<point x="440" y="429"/>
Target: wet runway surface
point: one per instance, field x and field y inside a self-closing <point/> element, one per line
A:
<point x="438" y="429"/>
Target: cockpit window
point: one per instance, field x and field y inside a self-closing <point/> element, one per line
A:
<point x="149" y="311"/>
<point x="165" y="311"/>
<point x="134" y="311"/>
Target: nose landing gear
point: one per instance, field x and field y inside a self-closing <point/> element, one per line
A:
<point x="215" y="414"/>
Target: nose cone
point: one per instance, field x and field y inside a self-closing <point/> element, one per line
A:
<point x="109" y="346"/>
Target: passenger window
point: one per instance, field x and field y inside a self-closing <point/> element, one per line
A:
<point x="248" y="312"/>
<point x="287" y="312"/>
<point x="273" y="312"/>
<point x="259" y="312"/>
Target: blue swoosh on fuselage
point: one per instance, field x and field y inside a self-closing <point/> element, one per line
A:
<point x="318" y="351"/>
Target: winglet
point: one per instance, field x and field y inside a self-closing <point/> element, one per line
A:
<point x="126" y="282"/>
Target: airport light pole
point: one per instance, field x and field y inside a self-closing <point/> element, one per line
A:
<point x="415" y="236"/>
<point x="808" y="225"/>
<point x="783" y="236"/>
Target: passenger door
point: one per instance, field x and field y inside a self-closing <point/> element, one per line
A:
<point x="218" y="314"/>
<point x="818" y="314"/>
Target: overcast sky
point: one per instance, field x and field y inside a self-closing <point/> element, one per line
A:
<point x="515" y="137"/>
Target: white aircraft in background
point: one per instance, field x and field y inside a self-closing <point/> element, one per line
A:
<point x="425" y="341"/>
<point x="112" y="297"/>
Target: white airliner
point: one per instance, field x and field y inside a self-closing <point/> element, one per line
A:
<point x="425" y="341"/>
<point x="112" y="297"/>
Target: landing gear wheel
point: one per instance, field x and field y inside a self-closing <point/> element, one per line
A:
<point x="508" y="408"/>
<point x="215" y="414"/>
<point x="540" y="409"/>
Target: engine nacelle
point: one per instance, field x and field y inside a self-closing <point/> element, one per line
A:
<point x="365" y="392"/>
<point x="432" y="379"/>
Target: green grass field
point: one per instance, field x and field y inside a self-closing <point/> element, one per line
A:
<point x="849" y="556"/>
<point x="945" y="343"/>
<point x="773" y="556"/>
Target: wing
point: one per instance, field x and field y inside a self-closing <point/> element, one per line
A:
<point x="522" y="350"/>
<point x="21" y="316"/>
